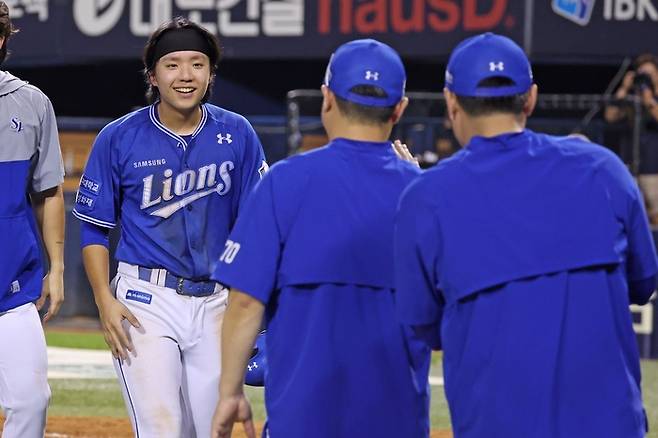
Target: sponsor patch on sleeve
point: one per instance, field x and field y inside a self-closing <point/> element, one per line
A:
<point x="84" y="200"/>
<point x="141" y="297"/>
<point x="89" y="185"/>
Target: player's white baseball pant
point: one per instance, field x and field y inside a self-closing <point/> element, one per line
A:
<point x="170" y="384"/>
<point x="24" y="390"/>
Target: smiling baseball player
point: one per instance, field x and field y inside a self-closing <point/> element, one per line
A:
<point x="175" y="174"/>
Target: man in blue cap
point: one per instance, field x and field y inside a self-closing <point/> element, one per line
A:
<point x="318" y="233"/>
<point x="525" y="251"/>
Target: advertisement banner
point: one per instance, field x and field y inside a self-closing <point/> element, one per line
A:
<point x="593" y="30"/>
<point x="60" y="31"/>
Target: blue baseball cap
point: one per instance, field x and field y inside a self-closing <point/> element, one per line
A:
<point x="484" y="56"/>
<point x="366" y="62"/>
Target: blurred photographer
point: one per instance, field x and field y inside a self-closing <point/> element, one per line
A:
<point x="642" y="81"/>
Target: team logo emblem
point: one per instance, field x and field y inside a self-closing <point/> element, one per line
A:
<point x="372" y="75"/>
<point x="224" y="138"/>
<point x="493" y="66"/>
<point x="16" y="124"/>
<point x="252" y="366"/>
<point x="578" y="11"/>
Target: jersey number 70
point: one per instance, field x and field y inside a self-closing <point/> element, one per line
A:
<point x="230" y="252"/>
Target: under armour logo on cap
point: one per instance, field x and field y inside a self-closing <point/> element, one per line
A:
<point x="372" y="75"/>
<point x="493" y="66"/>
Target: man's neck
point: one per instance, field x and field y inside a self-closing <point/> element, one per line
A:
<point x="181" y="123"/>
<point x="358" y="132"/>
<point x="494" y="125"/>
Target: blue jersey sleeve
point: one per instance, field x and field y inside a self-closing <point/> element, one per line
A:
<point x="97" y="198"/>
<point x="628" y="204"/>
<point x="254" y="164"/>
<point x="417" y="243"/>
<point x="251" y="256"/>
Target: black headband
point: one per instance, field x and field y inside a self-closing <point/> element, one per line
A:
<point x="176" y="40"/>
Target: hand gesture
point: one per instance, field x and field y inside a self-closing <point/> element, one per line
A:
<point x="112" y="313"/>
<point x="402" y="151"/>
<point x="229" y="410"/>
<point x="53" y="287"/>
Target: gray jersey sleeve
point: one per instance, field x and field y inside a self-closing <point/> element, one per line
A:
<point x="49" y="168"/>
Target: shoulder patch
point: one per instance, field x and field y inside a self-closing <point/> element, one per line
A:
<point x="85" y="200"/>
<point x="89" y="185"/>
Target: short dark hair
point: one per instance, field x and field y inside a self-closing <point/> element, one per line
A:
<point x="148" y="58"/>
<point x="645" y="58"/>
<point x="6" y="29"/>
<point x="482" y="106"/>
<point x="368" y="115"/>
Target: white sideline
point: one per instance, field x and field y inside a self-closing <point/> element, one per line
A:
<point x="74" y="363"/>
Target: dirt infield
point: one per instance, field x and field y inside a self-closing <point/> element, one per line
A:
<point x="107" y="427"/>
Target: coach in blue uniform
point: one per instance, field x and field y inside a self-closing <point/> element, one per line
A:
<point x="176" y="174"/>
<point x="526" y="250"/>
<point x="318" y="230"/>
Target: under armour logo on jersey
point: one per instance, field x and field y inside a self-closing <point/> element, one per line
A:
<point x="221" y="139"/>
<point x="252" y="366"/>
<point x="493" y="66"/>
<point x="372" y="75"/>
<point x="16" y="124"/>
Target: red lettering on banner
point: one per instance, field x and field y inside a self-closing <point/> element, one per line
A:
<point x="324" y="16"/>
<point x="473" y="21"/>
<point x="345" y="16"/>
<point x="448" y="20"/>
<point x="405" y="16"/>
<point x="400" y="24"/>
<point x="371" y="17"/>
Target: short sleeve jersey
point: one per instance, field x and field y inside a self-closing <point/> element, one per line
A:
<point x="318" y="231"/>
<point x="522" y="245"/>
<point x="30" y="161"/>
<point x="176" y="198"/>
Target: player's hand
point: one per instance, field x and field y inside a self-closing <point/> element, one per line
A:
<point x="112" y="313"/>
<point x="53" y="288"/>
<point x="229" y="410"/>
<point x="402" y="151"/>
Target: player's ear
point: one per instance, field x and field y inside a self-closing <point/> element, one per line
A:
<point x="152" y="80"/>
<point x="399" y="109"/>
<point x="530" y="104"/>
<point x="328" y="99"/>
<point x="451" y="104"/>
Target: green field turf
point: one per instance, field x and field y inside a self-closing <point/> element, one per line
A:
<point x="68" y="339"/>
<point x="92" y="397"/>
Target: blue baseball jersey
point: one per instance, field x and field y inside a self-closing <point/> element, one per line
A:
<point x="318" y="230"/>
<point x="30" y="161"/>
<point x="177" y="198"/>
<point x="522" y="246"/>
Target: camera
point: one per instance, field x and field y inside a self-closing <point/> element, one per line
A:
<point x="641" y="81"/>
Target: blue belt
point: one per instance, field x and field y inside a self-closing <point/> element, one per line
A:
<point x="181" y="285"/>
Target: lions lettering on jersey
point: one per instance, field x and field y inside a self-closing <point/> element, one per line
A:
<point x="203" y="181"/>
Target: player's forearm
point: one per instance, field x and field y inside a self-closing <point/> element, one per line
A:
<point x="49" y="212"/>
<point x="96" y="259"/>
<point x="242" y="322"/>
